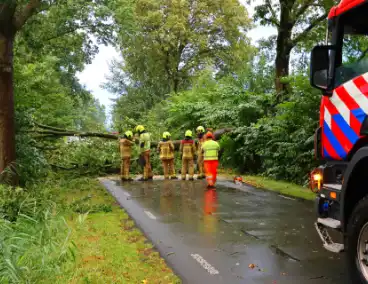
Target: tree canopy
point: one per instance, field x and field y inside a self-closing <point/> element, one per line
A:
<point x="166" y="44"/>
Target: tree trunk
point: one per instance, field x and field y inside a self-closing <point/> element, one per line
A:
<point x="282" y="67"/>
<point x="283" y="45"/>
<point x="7" y="125"/>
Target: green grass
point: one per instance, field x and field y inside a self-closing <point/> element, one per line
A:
<point x="109" y="248"/>
<point x="282" y="187"/>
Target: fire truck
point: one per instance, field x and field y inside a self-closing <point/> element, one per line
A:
<point x="340" y="70"/>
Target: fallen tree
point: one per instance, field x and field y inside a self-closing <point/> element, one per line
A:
<point x="46" y="131"/>
<point x="50" y="131"/>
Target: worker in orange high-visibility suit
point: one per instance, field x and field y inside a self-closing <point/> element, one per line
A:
<point x="187" y="151"/>
<point x="201" y="139"/>
<point x="166" y="149"/>
<point x="126" y="145"/>
<point x="211" y="151"/>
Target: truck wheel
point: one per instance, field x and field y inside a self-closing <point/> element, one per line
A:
<point x="356" y="244"/>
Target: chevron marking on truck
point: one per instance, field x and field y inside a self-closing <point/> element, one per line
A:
<point x="343" y="114"/>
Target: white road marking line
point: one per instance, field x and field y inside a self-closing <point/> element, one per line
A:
<point x="150" y="215"/>
<point x="210" y="269"/>
<point x="285" y="197"/>
<point x="127" y="194"/>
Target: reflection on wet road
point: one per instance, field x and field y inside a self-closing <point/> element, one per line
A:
<point x="231" y="229"/>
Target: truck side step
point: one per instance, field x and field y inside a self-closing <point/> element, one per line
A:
<point x="327" y="241"/>
<point x="329" y="222"/>
<point x="335" y="247"/>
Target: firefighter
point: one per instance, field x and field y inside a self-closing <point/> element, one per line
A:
<point x="145" y="151"/>
<point x="187" y="151"/>
<point x="166" y="149"/>
<point x="201" y="138"/>
<point x="210" y="150"/>
<point x="126" y="145"/>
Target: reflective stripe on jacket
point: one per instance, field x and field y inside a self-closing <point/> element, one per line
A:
<point x="210" y="150"/>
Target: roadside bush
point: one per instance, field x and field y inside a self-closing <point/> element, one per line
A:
<point x="33" y="248"/>
<point x="18" y="201"/>
<point x="31" y="164"/>
<point x="34" y="238"/>
<point x="14" y="201"/>
<point x="280" y="144"/>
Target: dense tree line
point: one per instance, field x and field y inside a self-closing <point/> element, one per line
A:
<point x="183" y="63"/>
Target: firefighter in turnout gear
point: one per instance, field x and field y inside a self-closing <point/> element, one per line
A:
<point x="126" y="145"/>
<point x="166" y="149"/>
<point x="211" y="151"/>
<point x="200" y="164"/>
<point x="145" y="151"/>
<point x="187" y="151"/>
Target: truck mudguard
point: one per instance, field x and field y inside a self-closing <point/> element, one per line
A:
<point x="359" y="155"/>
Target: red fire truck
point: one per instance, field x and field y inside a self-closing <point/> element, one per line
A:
<point x="340" y="70"/>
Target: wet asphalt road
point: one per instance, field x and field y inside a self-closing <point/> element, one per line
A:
<point x="210" y="236"/>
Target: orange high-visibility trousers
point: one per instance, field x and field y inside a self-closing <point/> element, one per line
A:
<point x="210" y="168"/>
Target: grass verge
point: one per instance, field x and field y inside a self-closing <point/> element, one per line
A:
<point x="110" y="249"/>
<point x="282" y="187"/>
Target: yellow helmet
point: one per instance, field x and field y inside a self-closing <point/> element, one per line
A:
<point x="166" y="135"/>
<point x="139" y="128"/>
<point x="188" y="133"/>
<point x="128" y="134"/>
<point x="200" y="129"/>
